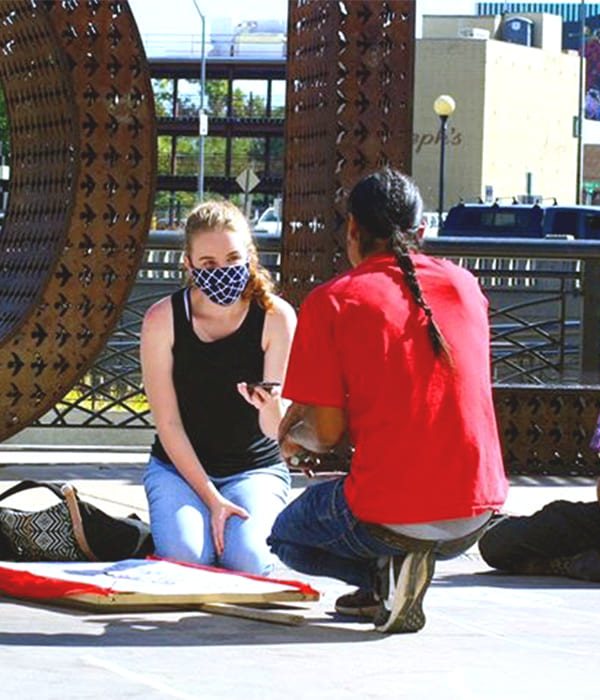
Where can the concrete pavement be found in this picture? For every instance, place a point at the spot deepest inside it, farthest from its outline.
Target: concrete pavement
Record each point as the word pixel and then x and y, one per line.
pixel 487 636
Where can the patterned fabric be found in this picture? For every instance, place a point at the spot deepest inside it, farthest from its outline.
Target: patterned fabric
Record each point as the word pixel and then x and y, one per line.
pixel 595 441
pixel 45 535
pixel 223 285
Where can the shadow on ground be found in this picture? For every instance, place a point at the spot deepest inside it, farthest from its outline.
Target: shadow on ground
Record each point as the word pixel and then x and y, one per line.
pixel 192 629
pixel 496 580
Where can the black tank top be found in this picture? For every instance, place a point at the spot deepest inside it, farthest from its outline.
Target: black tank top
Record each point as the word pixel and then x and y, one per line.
pixel 221 425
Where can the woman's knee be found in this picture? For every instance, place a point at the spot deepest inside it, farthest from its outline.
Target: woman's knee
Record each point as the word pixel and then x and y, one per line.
pixel 178 546
pixel 255 559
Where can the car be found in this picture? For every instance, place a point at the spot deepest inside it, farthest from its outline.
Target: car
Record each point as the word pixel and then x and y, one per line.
pixel 523 221
pixel 269 223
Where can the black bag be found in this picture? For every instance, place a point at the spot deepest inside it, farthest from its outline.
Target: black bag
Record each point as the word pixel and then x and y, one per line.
pixel 71 530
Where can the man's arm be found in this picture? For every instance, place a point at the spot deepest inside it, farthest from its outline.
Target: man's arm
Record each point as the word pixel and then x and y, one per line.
pixel 312 428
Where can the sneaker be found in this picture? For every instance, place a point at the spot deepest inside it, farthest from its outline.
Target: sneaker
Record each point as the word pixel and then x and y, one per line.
pixel 402 585
pixel 585 566
pixel 361 603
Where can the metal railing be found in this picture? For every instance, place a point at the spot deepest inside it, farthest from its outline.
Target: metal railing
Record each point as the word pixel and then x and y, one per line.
pixel 544 305
pixel 544 310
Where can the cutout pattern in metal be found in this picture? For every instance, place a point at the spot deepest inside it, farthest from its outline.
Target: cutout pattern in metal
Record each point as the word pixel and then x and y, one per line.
pixel 83 158
pixel 348 112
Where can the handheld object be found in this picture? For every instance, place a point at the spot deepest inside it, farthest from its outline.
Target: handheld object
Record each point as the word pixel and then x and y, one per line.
pixel 267 386
pixel 304 460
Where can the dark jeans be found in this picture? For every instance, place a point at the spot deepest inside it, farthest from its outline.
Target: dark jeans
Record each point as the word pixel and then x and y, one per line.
pixel 526 544
pixel 318 534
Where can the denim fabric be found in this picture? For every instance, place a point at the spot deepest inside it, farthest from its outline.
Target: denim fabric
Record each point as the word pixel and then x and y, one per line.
pixel 318 534
pixel 180 520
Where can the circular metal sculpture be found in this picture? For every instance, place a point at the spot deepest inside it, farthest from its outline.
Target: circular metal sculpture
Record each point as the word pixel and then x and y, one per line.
pixel 83 158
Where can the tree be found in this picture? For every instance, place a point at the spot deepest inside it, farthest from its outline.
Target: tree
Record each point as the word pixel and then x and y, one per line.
pixel 163 96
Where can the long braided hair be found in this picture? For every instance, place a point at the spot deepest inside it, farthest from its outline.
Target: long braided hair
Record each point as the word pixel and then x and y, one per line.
pixel 387 205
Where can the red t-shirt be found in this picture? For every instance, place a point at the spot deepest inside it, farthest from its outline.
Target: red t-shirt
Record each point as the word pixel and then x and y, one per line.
pixel 425 434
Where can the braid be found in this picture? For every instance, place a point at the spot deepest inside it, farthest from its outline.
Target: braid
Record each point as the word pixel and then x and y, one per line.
pixel 387 206
pixel 402 252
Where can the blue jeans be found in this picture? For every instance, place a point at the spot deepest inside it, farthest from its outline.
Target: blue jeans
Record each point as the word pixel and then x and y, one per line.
pixel 180 520
pixel 318 534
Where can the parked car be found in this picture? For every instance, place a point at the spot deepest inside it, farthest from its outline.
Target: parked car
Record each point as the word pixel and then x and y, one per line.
pixel 522 221
pixel 269 223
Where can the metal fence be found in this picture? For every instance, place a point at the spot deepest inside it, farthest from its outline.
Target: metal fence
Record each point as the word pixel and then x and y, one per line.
pixel 544 305
pixel 544 311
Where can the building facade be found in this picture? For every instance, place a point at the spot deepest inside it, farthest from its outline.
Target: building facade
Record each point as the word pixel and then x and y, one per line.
pixel 512 131
pixel 245 101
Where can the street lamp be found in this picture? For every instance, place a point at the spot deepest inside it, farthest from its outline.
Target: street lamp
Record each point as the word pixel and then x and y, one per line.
pixel 444 106
pixel 202 121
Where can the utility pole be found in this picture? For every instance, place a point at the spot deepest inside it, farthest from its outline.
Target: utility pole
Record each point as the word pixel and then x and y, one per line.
pixel 202 120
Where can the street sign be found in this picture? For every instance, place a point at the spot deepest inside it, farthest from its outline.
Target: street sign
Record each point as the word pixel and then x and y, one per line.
pixel 203 124
pixel 247 180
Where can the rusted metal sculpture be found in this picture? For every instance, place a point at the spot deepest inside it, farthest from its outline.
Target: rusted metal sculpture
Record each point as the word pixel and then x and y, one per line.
pixel 348 112
pixel 547 429
pixel 83 148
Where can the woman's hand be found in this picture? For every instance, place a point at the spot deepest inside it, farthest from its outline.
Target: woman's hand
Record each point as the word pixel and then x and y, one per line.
pixel 259 397
pixel 220 510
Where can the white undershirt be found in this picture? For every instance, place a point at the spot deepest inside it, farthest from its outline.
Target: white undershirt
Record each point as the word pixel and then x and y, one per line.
pixel 443 529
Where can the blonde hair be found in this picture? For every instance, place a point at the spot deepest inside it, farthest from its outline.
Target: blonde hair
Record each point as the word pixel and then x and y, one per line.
pixel 214 215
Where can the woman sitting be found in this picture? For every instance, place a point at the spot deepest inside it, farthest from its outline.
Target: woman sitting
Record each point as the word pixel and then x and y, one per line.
pixel 215 480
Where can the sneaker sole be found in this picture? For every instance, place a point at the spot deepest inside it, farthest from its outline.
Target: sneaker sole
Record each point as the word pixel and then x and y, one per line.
pixel 406 613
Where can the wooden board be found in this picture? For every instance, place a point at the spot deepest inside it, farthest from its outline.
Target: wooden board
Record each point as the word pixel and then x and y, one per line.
pixel 142 584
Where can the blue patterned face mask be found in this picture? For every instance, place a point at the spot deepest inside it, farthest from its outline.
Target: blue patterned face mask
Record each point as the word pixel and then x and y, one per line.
pixel 223 285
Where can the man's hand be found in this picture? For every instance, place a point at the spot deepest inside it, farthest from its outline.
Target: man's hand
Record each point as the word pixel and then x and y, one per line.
pixel 316 428
pixel 289 450
pixel 295 414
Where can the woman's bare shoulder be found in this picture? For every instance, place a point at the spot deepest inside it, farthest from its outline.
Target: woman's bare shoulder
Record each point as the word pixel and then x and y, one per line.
pixel 282 309
pixel 159 314
pixel 281 320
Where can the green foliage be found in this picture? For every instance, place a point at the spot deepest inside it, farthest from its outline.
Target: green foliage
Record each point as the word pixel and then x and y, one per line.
pixel 163 96
pixel 245 152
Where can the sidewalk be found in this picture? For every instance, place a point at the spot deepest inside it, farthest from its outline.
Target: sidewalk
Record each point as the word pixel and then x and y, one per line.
pixel 487 636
